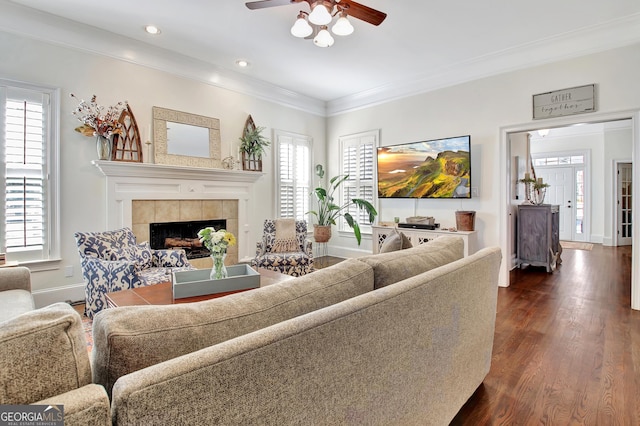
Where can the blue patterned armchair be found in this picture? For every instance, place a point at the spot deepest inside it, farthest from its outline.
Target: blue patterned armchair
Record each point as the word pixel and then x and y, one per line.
pixel 295 263
pixel 112 261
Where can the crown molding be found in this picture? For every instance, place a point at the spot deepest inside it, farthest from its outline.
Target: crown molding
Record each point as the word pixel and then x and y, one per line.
pixel 42 26
pixel 589 40
pixel 31 23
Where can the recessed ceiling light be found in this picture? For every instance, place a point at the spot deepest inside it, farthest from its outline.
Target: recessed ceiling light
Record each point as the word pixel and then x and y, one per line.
pixel 152 29
pixel 242 63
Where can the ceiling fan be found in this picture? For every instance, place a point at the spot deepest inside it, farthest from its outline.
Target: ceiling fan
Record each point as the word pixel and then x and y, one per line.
pixel 314 23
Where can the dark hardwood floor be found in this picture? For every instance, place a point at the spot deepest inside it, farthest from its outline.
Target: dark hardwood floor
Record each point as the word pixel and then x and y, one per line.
pixel 566 348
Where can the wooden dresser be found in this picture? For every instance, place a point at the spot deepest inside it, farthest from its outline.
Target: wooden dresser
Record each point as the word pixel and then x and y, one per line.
pixel 538 235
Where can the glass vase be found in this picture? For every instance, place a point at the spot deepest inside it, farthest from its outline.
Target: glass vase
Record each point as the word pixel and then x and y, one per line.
pixel 103 146
pixel 218 270
pixel 537 195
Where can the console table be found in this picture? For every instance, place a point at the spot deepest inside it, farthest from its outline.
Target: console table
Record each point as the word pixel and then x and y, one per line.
pixel 421 236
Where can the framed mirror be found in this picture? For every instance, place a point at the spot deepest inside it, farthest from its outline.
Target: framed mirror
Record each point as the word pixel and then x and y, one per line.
pixel 183 139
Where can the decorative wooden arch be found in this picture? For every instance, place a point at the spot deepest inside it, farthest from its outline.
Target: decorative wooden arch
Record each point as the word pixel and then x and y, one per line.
pixel 250 162
pixel 128 145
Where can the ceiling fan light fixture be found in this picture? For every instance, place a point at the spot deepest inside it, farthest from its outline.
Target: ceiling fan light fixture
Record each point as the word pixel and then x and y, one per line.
pixel 342 27
pixel 320 13
pixel 323 39
pixel 301 27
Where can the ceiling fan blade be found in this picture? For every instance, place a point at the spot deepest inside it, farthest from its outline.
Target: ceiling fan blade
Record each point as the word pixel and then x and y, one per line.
pixel 360 11
pixel 268 3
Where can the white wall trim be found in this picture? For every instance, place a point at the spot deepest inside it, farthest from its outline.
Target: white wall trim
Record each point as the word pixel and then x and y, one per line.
pixel 71 293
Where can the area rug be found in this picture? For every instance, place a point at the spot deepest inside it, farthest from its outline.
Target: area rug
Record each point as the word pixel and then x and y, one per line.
pixel 576 245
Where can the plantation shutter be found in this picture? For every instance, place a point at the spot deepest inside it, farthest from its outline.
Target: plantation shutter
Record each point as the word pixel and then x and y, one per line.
pixel 25 124
pixel 358 163
pixel 29 217
pixel 293 175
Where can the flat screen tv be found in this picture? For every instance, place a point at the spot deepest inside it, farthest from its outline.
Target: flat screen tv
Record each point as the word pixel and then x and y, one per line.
pixel 439 168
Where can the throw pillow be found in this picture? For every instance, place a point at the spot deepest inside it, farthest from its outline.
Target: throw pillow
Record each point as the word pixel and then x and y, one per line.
pixel 170 258
pixel 138 253
pixel 394 242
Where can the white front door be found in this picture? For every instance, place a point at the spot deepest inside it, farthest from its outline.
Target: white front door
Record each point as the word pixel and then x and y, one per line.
pixel 562 192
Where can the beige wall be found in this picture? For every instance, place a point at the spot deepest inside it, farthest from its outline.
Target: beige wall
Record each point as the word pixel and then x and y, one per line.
pixel 482 108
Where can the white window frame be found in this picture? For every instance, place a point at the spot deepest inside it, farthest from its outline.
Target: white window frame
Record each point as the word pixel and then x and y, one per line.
pixel 358 140
pixel 51 248
pixel 301 186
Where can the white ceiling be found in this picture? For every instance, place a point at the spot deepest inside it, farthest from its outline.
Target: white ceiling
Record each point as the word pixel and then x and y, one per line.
pixel 421 45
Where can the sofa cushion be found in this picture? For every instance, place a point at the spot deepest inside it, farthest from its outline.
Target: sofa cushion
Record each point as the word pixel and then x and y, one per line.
pixel 389 268
pixel 42 353
pixel 130 338
pixel 394 242
pixel 14 303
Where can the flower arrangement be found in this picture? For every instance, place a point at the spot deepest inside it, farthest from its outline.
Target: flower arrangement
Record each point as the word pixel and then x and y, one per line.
pixel 216 241
pixel 96 119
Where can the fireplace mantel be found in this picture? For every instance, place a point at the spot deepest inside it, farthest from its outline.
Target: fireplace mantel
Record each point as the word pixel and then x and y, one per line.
pixel 126 182
pixel 147 170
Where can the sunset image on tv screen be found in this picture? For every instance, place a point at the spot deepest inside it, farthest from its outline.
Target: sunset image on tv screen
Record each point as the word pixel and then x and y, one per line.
pixel 430 169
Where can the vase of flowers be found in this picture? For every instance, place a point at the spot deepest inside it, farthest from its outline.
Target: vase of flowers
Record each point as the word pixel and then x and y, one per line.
pixel 217 242
pixel 100 122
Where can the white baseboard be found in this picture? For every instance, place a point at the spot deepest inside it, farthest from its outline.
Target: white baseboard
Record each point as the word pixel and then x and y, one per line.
pixel 72 292
pixel 346 252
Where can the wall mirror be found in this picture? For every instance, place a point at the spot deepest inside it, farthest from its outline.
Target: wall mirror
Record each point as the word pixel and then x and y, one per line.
pixel 184 139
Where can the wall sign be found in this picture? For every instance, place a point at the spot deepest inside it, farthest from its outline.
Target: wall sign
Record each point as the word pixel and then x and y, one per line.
pixel 575 100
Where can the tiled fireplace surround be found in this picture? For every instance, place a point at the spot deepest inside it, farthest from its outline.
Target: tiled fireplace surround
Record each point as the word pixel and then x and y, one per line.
pixel 140 193
pixel 144 212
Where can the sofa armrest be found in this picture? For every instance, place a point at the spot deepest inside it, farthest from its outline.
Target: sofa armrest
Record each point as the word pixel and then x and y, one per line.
pixel 43 353
pixel 260 249
pixel 18 278
pixel 88 405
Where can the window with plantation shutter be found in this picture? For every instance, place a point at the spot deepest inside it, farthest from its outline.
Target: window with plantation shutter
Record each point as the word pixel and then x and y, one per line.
pixel 358 162
pixel 28 153
pixel 293 174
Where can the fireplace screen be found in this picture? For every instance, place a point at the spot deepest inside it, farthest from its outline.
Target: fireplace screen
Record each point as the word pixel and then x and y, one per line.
pixel 182 235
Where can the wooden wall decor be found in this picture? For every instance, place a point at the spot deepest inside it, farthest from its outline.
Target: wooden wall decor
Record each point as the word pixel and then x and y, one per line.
pixel 250 161
pixel 128 145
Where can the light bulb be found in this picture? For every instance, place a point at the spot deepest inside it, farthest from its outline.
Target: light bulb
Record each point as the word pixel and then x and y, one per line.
pixel 320 14
pixel 323 39
pixel 301 28
pixel 342 26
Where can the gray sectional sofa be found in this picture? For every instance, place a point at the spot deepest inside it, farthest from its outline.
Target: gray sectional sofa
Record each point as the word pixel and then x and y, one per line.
pixel 43 355
pixel 397 338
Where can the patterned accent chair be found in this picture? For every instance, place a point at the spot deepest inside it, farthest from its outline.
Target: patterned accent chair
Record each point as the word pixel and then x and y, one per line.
pixel 112 261
pixel 291 263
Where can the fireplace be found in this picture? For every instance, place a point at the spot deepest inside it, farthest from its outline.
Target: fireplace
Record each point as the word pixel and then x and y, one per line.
pixel 182 235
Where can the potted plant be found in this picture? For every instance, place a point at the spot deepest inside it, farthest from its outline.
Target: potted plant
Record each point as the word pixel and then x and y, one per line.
pixel 328 211
pixel 252 147
pixel 535 189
